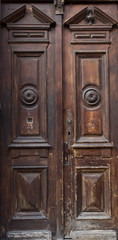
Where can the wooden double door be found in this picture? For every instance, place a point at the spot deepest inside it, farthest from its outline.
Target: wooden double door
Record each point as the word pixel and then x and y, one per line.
pixel 59 119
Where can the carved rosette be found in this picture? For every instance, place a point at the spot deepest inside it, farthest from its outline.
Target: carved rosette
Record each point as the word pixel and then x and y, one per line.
pixel 59 6
pixel 29 96
pixel 91 96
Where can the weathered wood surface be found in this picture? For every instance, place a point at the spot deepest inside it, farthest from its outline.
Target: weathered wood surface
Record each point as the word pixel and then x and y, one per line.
pixel 89 73
pixel 28 162
pixel 59 85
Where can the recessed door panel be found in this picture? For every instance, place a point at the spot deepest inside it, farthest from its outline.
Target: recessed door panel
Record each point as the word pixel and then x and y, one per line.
pixel 91 97
pixel 29 116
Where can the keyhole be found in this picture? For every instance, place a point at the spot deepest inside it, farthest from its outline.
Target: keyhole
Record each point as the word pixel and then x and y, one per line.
pixel 29 120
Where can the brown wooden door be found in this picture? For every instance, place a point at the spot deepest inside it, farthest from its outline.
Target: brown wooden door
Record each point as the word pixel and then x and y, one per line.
pixel 59 171
pixel 89 83
pixel 28 186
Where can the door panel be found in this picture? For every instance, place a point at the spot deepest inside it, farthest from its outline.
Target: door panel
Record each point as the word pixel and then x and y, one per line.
pixel 28 118
pixel 29 87
pixel 89 164
pixel 90 80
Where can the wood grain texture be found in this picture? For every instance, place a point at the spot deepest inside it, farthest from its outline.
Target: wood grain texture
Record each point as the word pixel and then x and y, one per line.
pixel 59 85
pixel 91 80
pixel 93 191
pixel 29 96
pixel 89 173
pixel 30 188
pixel 30 193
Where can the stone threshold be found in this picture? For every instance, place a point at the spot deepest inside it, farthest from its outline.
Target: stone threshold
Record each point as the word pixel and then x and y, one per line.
pixel 75 235
pixel 94 235
pixel 29 235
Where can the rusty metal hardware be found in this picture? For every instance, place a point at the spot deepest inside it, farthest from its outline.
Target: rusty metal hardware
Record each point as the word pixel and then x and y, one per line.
pixel 67 153
pixel 67 145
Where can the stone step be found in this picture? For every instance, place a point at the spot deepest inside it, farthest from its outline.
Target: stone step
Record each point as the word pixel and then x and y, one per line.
pixel 29 235
pixel 94 235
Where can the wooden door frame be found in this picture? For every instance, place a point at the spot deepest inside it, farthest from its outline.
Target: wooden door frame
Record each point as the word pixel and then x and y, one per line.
pixel 0 116
pixel 59 127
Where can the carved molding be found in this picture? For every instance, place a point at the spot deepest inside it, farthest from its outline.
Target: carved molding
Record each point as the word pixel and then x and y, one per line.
pixel 19 13
pixel 90 18
pixel 90 15
pixel 92 100
pixel 59 3
pixel 94 204
pixel 29 96
pixel 42 16
pixel 15 16
pixel 90 37
pixel 28 32
pixel 76 18
pixel 90 25
pixel 29 102
pixel 91 96
pixel 59 6
pixel 35 180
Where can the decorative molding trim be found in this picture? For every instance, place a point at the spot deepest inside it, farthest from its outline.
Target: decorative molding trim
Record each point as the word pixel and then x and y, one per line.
pixel 102 16
pixel 29 142
pixel 28 34
pixel 84 14
pixel 90 25
pixel 43 26
pixel 86 206
pixel 90 18
pixel 24 206
pixel 59 6
pixel 92 145
pixel 78 17
pixel 15 16
pixel 19 13
pixel 42 16
pixel 29 96
pixel 91 96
